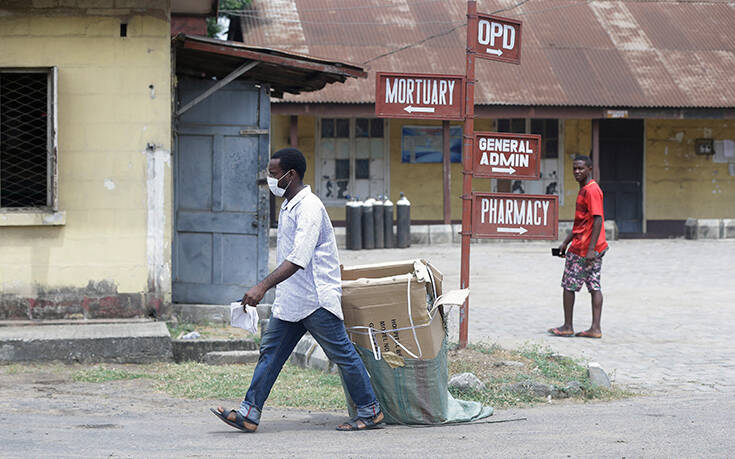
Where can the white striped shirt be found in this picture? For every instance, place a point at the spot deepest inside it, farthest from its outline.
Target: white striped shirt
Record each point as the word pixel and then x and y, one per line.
pixel 306 238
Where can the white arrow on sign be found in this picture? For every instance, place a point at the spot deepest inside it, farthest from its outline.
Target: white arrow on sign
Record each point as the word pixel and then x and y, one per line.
pixel 497 52
pixel 509 170
pixel 411 109
pixel 519 230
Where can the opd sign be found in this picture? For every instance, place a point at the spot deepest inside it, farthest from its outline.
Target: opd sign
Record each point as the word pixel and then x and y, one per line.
pixel 417 95
pixel 515 216
pixel 509 156
pixel 496 38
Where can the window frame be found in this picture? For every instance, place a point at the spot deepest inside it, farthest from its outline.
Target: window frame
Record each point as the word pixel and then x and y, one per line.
pixel 52 172
pixel 560 152
pixel 352 139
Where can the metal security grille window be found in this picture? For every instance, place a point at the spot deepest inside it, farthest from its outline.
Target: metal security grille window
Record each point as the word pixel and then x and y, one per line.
pixel 551 163
pixel 351 158
pixel 27 138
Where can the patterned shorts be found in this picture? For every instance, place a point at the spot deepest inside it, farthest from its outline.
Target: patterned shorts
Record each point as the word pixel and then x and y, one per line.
pixel 578 271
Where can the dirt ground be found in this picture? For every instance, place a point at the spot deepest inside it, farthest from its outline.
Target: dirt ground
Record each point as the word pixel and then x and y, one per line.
pixel 44 414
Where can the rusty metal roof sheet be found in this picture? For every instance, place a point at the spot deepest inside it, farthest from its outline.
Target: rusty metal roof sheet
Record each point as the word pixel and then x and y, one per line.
pixel 285 72
pixel 614 53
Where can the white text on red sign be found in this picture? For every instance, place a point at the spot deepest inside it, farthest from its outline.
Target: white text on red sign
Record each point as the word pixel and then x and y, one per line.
pixel 506 155
pixel 496 38
pixel 496 35
pixel 494 153
pixel 422 91
pixel 514 214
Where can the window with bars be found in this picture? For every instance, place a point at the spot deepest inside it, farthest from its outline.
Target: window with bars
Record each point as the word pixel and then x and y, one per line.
pixel 551 143
pixel 27 138
pixel 350 158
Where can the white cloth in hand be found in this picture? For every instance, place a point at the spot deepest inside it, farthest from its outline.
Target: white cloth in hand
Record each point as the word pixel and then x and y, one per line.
pixel 244 317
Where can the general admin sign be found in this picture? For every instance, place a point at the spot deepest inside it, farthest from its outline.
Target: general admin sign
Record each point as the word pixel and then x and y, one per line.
pixel 419 96
pixel 506 156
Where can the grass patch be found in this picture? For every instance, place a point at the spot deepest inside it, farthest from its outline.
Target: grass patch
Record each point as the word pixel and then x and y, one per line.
pixel 501 369
pixel 310 389
pixel 294 388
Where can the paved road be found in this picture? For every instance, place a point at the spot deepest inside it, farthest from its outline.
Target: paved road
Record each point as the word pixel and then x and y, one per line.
pixel 42 416
pixel 667 314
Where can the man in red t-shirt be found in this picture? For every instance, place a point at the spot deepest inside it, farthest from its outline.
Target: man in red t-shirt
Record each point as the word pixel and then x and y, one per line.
pixel 584 258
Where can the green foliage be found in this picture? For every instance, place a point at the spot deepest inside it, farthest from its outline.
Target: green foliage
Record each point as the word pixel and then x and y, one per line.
pixel 295 387
pixel 311 389
pixel 213 28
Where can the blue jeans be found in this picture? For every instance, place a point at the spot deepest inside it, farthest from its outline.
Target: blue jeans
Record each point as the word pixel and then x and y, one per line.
pixel 279 341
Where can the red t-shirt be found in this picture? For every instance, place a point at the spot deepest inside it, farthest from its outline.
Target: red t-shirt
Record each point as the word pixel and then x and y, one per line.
pixel 589 204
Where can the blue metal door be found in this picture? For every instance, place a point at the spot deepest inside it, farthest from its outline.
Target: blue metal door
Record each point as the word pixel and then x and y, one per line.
pixel 220 201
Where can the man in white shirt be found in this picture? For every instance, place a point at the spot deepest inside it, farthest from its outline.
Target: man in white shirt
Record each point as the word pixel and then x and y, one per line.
pixel 308 298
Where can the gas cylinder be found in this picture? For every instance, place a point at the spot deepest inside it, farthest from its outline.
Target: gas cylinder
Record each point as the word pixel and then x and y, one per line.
pixel 403 211
pixel 388 223
pixel 368 224
pixel 378 217
pixel 353 220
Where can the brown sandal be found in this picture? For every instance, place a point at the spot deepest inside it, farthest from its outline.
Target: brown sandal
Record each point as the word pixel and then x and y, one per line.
pixel 362 424
pixel 240 422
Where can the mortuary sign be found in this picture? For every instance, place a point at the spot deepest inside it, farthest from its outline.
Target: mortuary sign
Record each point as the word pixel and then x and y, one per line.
pixel 496 38
pixel 415 95
pixel 515 216
pixel 506 156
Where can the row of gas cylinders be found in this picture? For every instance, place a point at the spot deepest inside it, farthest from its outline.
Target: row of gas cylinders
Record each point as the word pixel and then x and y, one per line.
pixel 369 223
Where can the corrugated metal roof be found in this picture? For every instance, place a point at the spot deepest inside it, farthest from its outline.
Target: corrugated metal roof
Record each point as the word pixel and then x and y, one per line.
pixel 285 72
pixel 624 53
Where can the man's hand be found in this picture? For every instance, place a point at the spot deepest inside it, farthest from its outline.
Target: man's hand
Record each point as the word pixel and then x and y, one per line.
pixel 591 255
pixel 253 296
pixel 562 249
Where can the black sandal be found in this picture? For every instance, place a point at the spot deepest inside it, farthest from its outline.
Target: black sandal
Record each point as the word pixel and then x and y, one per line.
pixel 367 424
pixel 240 422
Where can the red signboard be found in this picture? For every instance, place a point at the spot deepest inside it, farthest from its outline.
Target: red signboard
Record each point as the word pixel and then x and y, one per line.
pixel 515 216
pixel 415 95
pixel 508 156
pixel 496 38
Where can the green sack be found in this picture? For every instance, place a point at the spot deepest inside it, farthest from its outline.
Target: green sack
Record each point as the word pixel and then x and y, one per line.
pixel 416 393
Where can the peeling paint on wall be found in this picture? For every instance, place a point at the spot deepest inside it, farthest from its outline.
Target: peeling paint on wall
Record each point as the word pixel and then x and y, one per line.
pixel 159 273
pixel 109 184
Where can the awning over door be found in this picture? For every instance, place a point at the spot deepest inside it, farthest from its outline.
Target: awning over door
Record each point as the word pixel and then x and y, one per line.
pixel 284 72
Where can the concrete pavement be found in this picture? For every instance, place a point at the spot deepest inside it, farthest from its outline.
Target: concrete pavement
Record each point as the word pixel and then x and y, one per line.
pixel 667 306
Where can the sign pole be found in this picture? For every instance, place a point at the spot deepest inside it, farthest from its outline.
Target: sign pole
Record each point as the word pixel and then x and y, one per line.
pixel 468 147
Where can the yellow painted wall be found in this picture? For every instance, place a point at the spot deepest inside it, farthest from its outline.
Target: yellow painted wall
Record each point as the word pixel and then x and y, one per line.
pixel 681 184
pixel 422 183
pixel 106 117
pixel 577 141
pixel 678 183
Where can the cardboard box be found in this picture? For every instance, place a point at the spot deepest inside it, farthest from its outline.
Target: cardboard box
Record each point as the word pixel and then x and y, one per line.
pixel 376 297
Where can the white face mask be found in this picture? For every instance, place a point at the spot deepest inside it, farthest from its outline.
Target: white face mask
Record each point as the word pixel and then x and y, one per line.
pixel 273 185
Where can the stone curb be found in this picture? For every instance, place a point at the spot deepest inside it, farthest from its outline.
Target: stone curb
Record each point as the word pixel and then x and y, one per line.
pixel 709 228
pixel 90 343
pixel 196 349
pixel 308 354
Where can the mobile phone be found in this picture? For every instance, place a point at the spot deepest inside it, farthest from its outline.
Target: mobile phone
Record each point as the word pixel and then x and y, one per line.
pixel 556 252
